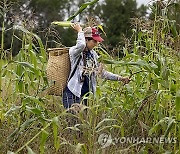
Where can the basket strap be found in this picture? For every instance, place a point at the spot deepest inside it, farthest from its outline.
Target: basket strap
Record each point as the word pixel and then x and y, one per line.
pixel 71 75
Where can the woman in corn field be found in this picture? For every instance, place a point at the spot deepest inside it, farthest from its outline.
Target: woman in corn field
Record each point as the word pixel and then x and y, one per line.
pixel 85 67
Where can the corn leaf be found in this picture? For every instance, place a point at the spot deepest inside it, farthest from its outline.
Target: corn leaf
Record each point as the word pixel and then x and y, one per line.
pixel 156 126
pixel 178 101
pixel 169 127
pixel 101 28
pixel 81 148
pixel 30 151
pixel 12 109
pixel 44 136
pixel 104 121
pixel 82 8
pixel 10 152
pixel 55 125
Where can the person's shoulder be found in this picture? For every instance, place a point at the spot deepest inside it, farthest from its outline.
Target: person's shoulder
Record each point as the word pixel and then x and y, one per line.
pixel 71 49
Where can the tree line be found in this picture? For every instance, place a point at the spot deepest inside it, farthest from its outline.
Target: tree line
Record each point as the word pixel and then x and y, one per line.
pixel 37 15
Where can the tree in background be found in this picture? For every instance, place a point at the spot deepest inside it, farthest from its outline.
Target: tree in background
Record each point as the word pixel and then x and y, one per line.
pixel 47 11
pixel 116 16
pixel 34 15
pixel 37 16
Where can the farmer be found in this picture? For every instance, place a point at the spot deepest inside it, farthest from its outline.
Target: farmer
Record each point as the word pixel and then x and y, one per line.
pixel 85 67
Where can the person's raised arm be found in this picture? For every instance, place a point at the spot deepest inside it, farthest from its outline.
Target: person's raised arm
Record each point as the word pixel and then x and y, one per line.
pixel 80 43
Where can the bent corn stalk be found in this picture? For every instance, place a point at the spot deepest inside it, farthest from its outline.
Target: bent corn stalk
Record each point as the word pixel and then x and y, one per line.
pixel 82 8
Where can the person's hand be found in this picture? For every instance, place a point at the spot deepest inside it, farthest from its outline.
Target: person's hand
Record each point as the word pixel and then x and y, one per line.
pixel 76 26
pixel 125 80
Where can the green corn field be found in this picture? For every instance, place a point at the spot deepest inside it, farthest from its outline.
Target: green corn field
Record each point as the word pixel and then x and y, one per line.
pixel 140 117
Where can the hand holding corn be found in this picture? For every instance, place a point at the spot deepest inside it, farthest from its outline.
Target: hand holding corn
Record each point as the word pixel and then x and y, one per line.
pixel 77 27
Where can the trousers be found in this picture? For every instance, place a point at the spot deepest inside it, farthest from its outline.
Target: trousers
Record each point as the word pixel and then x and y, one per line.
pixel 68 98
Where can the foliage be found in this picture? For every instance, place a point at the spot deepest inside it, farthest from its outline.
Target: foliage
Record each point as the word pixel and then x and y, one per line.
pixel 149 106
pixel 170 9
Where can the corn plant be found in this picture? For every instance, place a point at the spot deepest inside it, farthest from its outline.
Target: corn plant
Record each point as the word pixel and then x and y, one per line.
pixel 149 106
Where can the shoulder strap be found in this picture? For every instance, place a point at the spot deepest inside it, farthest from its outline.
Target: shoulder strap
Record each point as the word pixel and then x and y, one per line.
pixel 71 75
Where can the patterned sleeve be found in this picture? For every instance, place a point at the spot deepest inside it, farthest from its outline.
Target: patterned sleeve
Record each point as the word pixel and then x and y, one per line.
pixel 105 74
pixel 109 75
pixel 79 47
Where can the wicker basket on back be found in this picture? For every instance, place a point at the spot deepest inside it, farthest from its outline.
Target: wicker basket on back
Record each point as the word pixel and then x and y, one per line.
pixel 58 69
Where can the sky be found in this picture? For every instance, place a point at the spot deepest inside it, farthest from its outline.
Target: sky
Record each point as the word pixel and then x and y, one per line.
pixel 139 2
pixel 145 2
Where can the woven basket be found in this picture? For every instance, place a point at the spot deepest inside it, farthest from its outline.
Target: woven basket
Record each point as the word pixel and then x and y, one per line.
pixel 58 69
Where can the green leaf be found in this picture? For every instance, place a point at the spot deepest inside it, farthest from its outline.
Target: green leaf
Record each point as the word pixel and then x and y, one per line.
pixel 81 148
pixel 165 72
pixel 33 58
pixel 170 124
pixel 122 131
pixel 20 86
pixel 143 125
pixel 12 109
pixel 153 65
pixel 13 134
pixel 83 7
pixel 55 124
pixel 140 63
pixel 178 101
pixel 98 91
pixel 26 124
pixel 26 64
pixel 155 128
pixel 104 128
pixel 55 134
pixel 44 136
pixel 30 151
pixel 4 73
pixel 34 110
pixel 10 152
pixel 164 120
pixel 104 121
pixel 173 28
pixel 101 28
pixel 75 128
pixel 36 100
pixel 55 120
pixel 107 61
pixel 42 49
pixel 18 27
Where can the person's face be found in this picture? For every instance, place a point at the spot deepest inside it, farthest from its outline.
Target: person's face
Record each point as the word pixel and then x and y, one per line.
pixel 91 44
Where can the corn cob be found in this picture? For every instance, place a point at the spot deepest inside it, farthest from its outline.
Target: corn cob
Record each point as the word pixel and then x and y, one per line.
pixel 62 23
